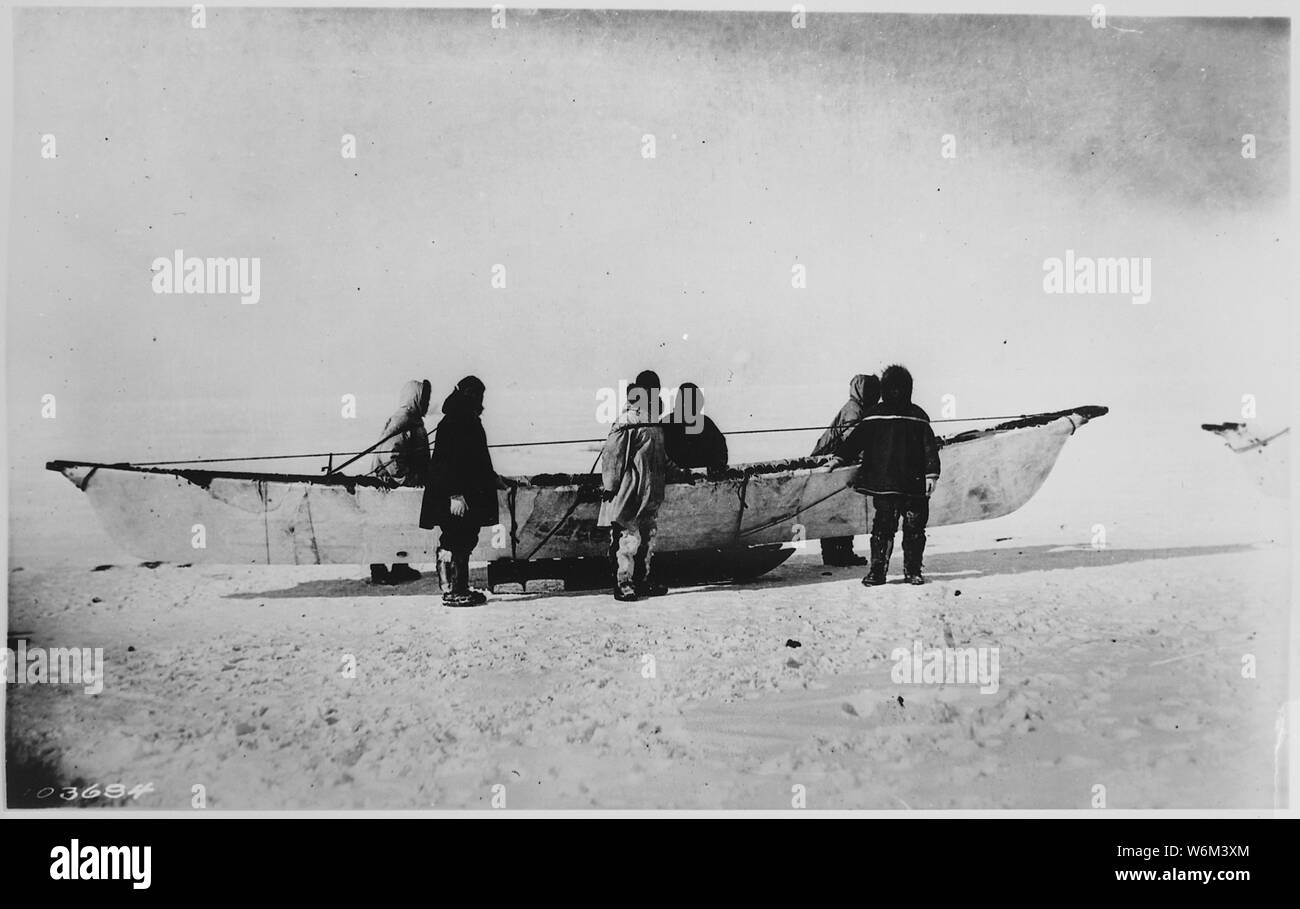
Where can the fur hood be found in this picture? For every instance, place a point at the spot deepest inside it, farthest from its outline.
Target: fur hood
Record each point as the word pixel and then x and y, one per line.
pixel 896 386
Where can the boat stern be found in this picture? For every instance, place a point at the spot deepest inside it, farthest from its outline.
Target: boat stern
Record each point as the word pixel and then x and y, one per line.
pixel 1241 437
pixel 78 474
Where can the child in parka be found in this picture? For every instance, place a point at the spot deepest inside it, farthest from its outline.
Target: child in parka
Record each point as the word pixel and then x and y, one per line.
pixel 633 469
pixel 900 468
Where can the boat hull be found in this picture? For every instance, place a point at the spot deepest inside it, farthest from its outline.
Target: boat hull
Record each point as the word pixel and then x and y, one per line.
pixel 236 518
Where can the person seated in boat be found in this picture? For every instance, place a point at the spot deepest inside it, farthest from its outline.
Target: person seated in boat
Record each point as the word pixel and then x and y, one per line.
pixel 460 496
pixel 864 393
pixel 899 469
pixel 691 439
pixel 403 460
pixel 633 468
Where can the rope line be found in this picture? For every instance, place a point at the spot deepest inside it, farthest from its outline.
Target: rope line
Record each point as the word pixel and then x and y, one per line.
pixel 372 449
pixel 793 514
pixel 577 500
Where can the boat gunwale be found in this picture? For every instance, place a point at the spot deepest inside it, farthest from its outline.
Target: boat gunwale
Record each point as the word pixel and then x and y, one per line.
pixel 736 472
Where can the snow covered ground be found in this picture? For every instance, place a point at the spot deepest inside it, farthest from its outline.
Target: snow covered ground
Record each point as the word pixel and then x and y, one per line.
pixel 1119 666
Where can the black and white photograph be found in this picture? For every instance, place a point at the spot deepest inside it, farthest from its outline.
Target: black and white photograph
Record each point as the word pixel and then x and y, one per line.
pixel 690 411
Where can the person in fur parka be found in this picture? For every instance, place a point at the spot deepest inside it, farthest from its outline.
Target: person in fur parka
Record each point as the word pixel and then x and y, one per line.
pixel 864 393
pixel 899 469
pixel 691 438
pixel 403 460
pixel 460 496
pixel 633 471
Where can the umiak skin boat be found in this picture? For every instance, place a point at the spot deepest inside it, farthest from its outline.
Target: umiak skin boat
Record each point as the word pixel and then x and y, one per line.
pixel 1265 455
pixel 739 525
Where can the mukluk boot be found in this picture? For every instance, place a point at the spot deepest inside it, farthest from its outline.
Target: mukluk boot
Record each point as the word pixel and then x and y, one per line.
pixel 881 549
pixel 456 590
pixel 913 549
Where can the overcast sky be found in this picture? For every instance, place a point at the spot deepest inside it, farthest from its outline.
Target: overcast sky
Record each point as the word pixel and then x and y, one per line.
pixel 523 147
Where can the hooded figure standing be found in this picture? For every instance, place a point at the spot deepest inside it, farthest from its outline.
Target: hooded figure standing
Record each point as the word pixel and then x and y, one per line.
pixel 404 461
pixel 633 466
pixel 864 393
pixel 460 496
pixel 900 468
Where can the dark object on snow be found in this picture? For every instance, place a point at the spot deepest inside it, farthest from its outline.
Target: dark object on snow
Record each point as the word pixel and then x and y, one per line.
pixel 837 552
pixel 402 573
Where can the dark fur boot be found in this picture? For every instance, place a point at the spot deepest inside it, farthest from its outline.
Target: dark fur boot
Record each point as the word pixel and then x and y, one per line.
pixel 913 550
pixel 456 590
pixel 881 549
